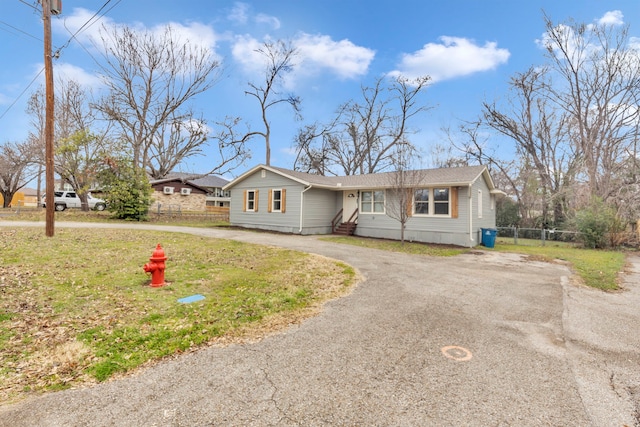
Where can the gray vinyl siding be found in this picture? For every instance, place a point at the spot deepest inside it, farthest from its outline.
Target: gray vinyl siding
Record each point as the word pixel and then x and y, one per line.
pixel 319 208
pixel 287 222
pixel 488 219
pixel 433 229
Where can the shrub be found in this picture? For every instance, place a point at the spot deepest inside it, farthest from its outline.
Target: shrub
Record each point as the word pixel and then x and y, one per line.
pixel 507 212
pixel 128 192
pixel 597 223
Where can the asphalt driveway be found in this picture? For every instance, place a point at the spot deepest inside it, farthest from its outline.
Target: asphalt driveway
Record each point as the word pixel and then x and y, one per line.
pixel 479 339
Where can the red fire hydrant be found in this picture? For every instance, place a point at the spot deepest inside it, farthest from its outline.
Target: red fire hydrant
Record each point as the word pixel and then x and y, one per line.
pixel 156 267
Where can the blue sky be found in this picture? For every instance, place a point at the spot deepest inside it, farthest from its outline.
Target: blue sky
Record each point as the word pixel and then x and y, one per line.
pixel 470 48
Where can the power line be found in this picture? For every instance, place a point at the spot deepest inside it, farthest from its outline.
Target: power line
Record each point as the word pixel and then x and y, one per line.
pixel 30 5
pixel 21 93
pixel 87 24
pixel 55 54
pixel 19 30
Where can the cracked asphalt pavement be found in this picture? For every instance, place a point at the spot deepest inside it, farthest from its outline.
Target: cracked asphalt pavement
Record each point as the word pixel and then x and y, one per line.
pixel 480 339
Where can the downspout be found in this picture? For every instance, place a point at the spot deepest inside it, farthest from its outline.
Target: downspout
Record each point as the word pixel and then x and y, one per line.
pixel 471 239
pixel 302 206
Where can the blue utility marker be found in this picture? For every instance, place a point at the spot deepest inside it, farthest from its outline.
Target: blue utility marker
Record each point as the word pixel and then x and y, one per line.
pixel 190 299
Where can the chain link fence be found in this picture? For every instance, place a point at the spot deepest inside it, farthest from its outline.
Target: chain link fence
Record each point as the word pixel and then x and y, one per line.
pixel 539 235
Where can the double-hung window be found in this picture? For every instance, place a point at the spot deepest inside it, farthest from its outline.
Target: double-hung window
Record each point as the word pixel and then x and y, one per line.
pixel 421 201
pixel 441 201
pixel 277 200
pixel 372 201
pixel 432 201
pixel 276 204
pixel 251 201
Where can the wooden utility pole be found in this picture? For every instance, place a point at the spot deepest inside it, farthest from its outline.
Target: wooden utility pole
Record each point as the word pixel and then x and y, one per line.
pixel 48 124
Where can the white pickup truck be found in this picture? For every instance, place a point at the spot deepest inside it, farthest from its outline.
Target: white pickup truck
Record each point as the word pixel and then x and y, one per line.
pixel 69 199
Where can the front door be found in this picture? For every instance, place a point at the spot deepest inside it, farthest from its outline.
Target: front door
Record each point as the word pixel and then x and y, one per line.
pixel 349 204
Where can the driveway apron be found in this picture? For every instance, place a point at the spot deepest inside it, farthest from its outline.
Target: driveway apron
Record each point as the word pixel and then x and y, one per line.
pixel 478 339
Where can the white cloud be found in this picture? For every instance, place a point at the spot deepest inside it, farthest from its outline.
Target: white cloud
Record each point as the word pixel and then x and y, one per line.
pixel 244 51
pixel 74 21
pixel 239 13
pixel 579 45
pixel 274 22
pixel 196 33
pixel 454 57
pixel 342 58
pixel 68 72
pixel 315 54
pixel 613 17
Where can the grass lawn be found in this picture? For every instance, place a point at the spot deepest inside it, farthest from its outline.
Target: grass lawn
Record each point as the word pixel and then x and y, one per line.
pixel 77 308
pixel 596 268
pixel 189 219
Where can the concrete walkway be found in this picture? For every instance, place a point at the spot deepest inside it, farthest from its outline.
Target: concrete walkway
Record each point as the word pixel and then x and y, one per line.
pixel 479 339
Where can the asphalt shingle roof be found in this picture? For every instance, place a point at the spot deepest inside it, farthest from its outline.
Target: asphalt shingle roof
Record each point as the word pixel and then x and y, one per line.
pixel 443 176
pixel 207 181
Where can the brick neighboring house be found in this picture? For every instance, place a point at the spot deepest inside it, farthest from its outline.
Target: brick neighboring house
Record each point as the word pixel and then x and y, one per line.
pixel 180 192
pixel 24 197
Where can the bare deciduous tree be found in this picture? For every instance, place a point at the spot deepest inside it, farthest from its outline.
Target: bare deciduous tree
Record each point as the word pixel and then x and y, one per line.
pixel 181 137
pixel 79 144
pixel 151 79
pixel 597 84
pixel 542 134
pixel 403 181
pixel 444 155
pixel 279 58
pixel 18 166
pixel 79 159
pixel 363 136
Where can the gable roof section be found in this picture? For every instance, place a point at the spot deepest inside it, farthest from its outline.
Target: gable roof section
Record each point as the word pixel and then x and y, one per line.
pixel 457 176
pixel 177 180
pixel 212 181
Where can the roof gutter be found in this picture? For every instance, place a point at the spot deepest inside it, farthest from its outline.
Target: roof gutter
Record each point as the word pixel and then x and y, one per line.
pixel 471 239
pixel 302 206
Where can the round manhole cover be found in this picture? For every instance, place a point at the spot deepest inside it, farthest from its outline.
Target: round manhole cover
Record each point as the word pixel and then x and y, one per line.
pixel 459 354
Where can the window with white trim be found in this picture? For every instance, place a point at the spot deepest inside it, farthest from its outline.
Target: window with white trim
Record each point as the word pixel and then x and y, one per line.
pixel 372 201
pixel 441 201
pixel 421 201
pixel 479 203
pixel 251 200
pixel 432 201
pixel 276 201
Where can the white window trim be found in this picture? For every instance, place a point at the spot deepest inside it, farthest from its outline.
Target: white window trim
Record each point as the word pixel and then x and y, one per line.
pixel 373 212
pixel 273 200
pixel 432 204
pixel 253 208
pixel 429 203
pixel 479 203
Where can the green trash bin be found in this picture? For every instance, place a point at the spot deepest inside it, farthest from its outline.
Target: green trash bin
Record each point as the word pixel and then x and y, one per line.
pixel 489 237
